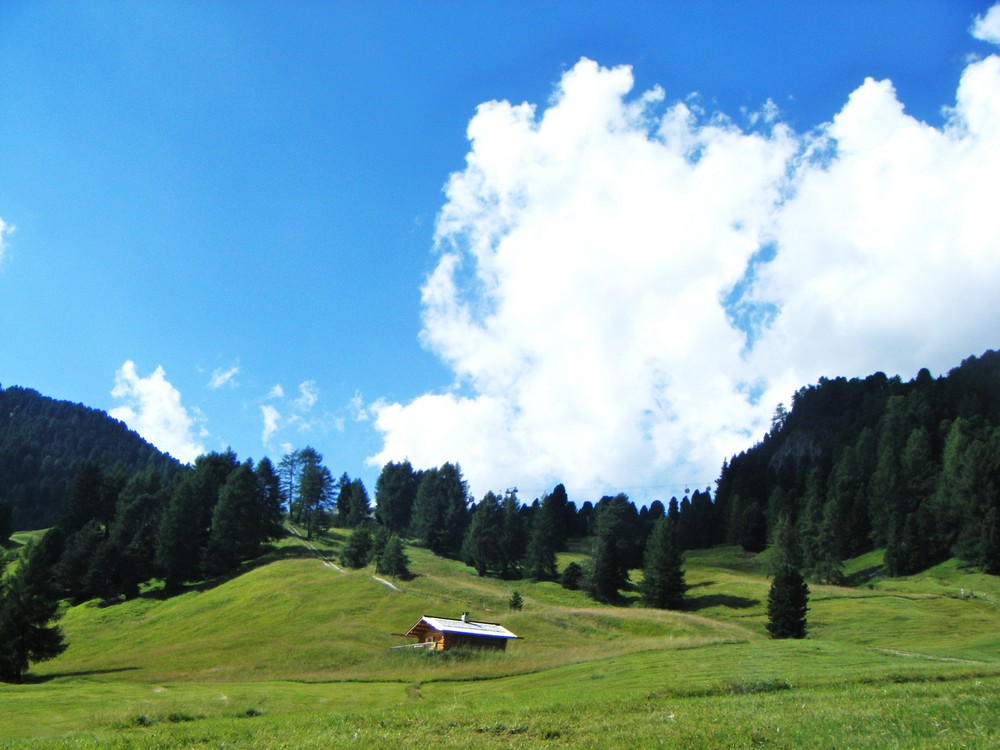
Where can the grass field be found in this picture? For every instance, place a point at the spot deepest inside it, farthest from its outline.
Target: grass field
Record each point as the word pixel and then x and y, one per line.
pixel 295 653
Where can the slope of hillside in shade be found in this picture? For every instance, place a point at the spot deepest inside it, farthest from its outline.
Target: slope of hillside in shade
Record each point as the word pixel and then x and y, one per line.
pixel 293 652
pixel 42 443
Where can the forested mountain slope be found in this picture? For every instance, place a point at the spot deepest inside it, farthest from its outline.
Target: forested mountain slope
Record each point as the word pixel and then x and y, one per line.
pixel 42 444
pixel 861 464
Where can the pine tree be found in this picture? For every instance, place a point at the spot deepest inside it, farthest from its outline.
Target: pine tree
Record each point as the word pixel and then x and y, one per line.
pixel 512 541
pixel 440 513
pixel 395 492
pixel 394 561
pixel 663 583
pixel 315 491
pixel 270 521
pixel 131 542
pixel 784 549
pixel 787 602
pixel 29 605
pixel 380 537
pixel 357 551
pixel 359 508
pixel 234 535
pixel 752 527
pixel 613 550
pixel 515 602
pixel 540 556
pixel 481 545
pixel 571 576
pixel 178 540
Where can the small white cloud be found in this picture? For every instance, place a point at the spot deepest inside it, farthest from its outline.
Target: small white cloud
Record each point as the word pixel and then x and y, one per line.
pixel 153 408
pixel 5 229
pixel 308 395
pixel 272 419
pixel 987 28
pixel 358 409
pixel 222 377
pixel 276 392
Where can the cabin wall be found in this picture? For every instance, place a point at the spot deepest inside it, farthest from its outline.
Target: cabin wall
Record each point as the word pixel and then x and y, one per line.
pixel 451 640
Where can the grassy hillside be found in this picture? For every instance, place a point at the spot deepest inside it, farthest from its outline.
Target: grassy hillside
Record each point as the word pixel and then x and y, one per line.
pixel 294 653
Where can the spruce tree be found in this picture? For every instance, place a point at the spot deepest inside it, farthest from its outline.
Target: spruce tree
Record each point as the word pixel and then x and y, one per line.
pixel 380 537
pixel 357 551
pixel 571 576
pixel 360 506
pixel 440 513
pixel 540 557
pixel 234 535
pixel 787 602
pixel 784 550
pixel 613 548
pixel 663 583
pixel 481 546
pixel 395 492
pixel 178 540
pixel 29 606
pixel 271 516
pixel 394 561
pixel 512 541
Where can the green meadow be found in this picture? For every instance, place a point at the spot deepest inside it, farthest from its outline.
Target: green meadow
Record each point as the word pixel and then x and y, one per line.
pixel 294 653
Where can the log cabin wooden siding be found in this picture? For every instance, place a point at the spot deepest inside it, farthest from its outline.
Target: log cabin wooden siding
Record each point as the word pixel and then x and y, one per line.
pixel 441 632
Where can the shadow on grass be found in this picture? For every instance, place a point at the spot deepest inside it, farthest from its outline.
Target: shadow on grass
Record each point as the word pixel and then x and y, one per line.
pixel 31 679
pixel 863 576
pixel 720 600
pixel 699 585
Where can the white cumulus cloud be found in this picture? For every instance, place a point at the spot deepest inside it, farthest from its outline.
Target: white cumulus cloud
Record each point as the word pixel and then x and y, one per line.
pixel 152 407
pixel 987 28
pixel 626 288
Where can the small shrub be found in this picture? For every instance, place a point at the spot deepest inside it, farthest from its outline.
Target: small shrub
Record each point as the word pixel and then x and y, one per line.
pixel 759 686
pixel 571 577
pixel 178 717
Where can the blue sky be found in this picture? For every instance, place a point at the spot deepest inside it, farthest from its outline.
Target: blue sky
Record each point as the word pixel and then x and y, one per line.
pixel 255 224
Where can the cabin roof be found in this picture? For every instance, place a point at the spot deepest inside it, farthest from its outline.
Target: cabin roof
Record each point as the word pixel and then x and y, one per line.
pixel 463 627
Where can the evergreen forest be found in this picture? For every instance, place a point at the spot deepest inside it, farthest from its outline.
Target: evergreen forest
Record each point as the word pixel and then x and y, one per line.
pixel 42 444
pixel 852 466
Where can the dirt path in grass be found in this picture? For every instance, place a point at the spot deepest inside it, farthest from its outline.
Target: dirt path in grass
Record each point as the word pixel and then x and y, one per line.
pixel 914 655
pixel 327 562
pixel 390 584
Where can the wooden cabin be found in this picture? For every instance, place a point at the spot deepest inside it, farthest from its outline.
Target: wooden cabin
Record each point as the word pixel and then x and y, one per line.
pixel 441 633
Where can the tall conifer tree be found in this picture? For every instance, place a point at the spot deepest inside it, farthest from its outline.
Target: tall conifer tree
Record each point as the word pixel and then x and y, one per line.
pixel 663 583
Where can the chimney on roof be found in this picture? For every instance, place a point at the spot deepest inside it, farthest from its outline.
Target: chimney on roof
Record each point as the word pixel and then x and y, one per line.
pixel 465 617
